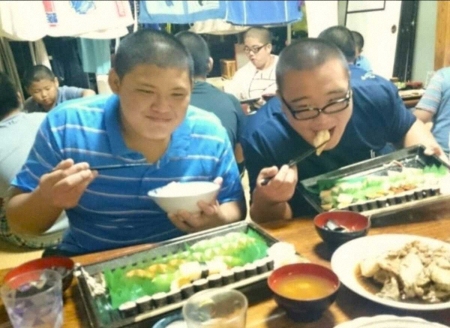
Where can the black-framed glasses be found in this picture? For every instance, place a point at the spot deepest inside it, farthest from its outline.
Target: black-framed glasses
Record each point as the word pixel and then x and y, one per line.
pixel 254 49
pixel 308 113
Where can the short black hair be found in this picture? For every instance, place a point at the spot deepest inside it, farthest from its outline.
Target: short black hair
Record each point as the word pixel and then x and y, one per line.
pixel 359 39
pixel 37 73
pixel 9 100
pixel 342 37
pixel 261 33
pixel 198 48
pixel 151 47
pixel 306 54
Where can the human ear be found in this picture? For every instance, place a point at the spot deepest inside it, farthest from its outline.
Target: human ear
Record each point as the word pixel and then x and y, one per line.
pixel 210 64
pixel 19 98
pixel 114 81
pixel 56 82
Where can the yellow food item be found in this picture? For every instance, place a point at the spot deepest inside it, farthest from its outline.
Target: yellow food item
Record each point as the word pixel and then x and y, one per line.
pixel 320 138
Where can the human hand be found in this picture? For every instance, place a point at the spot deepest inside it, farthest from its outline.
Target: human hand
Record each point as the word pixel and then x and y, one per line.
pixel 209 216
pixel 433 148
pixel 281 183
pixel 64 186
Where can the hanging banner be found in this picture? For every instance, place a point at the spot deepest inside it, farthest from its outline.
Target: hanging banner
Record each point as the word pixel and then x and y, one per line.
pixel 32 20
pixel 23 20
pixel 70 18
pixel 262 12
pixel 180 12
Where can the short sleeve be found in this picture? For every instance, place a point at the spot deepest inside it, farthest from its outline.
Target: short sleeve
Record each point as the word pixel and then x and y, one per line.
pixel 68 93
pixel 433 94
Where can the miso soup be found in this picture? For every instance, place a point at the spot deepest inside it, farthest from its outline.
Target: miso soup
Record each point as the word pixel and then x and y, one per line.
pixel 304 287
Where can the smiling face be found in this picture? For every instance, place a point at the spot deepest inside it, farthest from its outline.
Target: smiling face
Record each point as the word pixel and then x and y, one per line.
pixel 154 101
pixel 317 88
pixel 44 92
pixel 262 57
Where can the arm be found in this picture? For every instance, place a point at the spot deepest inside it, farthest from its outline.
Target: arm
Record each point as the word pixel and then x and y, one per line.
pixel 423 115
pixel 35 212
pixel 430 101
pixel 419 134
pixel 88 93
pixel 210 215
pixel 230 203
pixel 270 202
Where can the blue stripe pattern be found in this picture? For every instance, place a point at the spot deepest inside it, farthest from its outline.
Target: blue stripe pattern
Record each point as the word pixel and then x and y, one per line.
pixel 115 210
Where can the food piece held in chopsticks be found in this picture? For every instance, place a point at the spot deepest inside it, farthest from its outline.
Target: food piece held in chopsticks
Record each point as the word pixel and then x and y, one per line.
pixel 321 137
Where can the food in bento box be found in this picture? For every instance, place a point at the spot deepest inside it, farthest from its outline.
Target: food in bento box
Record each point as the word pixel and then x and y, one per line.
pixel 414 273
pixel 320 138
pixel 196 265
pixel 394 188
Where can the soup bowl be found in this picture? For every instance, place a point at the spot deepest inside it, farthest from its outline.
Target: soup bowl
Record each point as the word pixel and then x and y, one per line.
pixel 63 265
pixel 338 227
pixel 304 290
pixel 177 196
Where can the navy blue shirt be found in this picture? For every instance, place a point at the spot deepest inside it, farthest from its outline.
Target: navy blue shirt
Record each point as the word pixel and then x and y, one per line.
pixel 226 107
pixel 379 117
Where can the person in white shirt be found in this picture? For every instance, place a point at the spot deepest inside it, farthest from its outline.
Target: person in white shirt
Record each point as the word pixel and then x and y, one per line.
pixel 256 79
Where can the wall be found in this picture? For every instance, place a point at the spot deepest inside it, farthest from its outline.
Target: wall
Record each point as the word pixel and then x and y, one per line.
pixel 342 7
pixel 423 60
pixel 425 37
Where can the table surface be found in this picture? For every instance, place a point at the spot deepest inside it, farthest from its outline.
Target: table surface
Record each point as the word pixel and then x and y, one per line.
pixel 432 221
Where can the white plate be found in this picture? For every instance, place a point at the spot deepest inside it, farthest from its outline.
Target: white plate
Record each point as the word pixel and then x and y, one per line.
pixel 389 321
pixel 346 258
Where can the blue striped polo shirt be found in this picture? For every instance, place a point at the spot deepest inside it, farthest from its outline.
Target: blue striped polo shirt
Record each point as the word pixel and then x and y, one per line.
pixel 115 210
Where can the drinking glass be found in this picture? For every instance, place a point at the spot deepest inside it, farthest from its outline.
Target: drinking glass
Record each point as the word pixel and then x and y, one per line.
pixel 216 308
pixel 34 299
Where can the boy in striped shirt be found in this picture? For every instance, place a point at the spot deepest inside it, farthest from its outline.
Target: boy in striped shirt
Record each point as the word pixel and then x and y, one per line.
pixel 147 120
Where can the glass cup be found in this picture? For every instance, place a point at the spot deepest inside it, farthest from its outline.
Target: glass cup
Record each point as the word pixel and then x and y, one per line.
pixel 34 299
pixel 216 308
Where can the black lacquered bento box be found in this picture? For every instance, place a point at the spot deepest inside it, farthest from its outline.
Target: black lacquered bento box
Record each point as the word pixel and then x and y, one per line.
pixel 110 303
pixel 405 179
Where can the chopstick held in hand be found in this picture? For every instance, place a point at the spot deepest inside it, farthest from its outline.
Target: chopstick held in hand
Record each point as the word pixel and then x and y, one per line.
pixel 297 160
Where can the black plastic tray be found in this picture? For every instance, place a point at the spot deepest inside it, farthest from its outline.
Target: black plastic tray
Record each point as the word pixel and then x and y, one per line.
pixel 408 157
pixel 99 310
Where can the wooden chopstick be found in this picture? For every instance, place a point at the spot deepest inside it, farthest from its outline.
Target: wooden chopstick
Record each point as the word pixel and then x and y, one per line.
pixel 297 160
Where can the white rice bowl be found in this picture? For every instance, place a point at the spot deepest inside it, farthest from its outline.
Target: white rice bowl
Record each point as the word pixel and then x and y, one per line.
pixel 177 196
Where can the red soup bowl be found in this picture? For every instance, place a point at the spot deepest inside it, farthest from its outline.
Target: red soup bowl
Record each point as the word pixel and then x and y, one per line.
pixel 304 290
pixel 63 265
pixel 338 227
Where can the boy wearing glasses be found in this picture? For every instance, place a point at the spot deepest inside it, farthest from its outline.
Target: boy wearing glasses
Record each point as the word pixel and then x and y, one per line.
pixel 256 78
pixel 316 95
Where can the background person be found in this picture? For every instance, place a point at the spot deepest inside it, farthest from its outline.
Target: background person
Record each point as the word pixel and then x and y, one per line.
pixel 45 92
pixel 17 133
pixel 360 60
pixel 206 96
pixel 344 39
pixel 256 78
pixel 147 120
pixel 317 95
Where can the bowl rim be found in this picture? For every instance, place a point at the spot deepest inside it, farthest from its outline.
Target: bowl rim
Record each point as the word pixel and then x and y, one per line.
pixel 215 188
pixel 43 263
pixel 320 215
pixel 285 267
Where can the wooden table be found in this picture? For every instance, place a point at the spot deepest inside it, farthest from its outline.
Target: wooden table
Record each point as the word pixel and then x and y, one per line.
pixel 429 221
